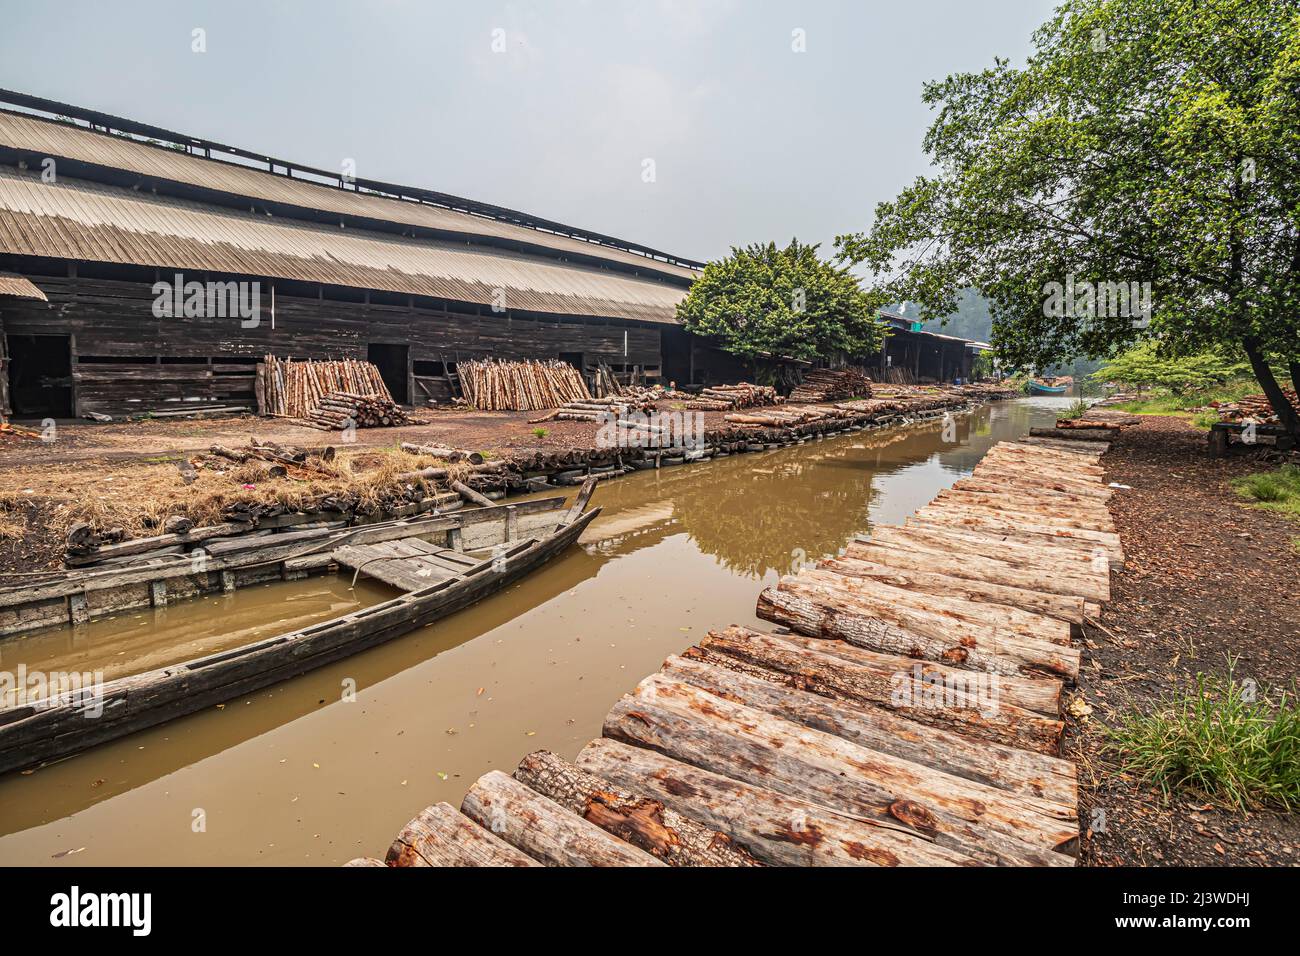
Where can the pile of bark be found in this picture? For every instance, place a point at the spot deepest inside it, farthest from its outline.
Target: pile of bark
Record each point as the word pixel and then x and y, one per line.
pixel 832 385
pixel 492 385
pixel 292 389
pixel 1255 407
pixel 337 410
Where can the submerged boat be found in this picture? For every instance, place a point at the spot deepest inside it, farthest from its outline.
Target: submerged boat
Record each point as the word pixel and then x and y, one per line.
pixel 441 563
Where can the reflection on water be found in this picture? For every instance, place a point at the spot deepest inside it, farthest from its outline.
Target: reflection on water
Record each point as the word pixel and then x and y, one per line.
pixel 298 774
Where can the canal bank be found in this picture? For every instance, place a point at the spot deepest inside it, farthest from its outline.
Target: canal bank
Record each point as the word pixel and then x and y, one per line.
pixel 675 552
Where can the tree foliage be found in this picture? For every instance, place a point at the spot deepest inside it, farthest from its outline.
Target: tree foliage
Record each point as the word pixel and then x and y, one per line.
pixel 1143 366
pixel 763 301
pixel 1144 141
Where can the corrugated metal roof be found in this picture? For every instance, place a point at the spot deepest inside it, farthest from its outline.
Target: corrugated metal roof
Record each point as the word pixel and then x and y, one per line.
pixel 63 141
pixel 78 220
pixel 19 286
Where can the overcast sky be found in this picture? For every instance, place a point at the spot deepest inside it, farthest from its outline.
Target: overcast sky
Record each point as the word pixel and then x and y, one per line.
pixel 750 140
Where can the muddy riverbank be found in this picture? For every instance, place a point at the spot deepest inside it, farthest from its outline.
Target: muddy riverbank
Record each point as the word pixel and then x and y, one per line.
pixel 298 774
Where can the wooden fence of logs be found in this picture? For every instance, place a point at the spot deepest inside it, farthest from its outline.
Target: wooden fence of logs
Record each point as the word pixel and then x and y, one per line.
pixel 492 385
pixel 908 712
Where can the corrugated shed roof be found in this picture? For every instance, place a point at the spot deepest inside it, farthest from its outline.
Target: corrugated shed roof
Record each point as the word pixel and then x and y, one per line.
pixel 63 141
pixel 20 287
pixel 79 220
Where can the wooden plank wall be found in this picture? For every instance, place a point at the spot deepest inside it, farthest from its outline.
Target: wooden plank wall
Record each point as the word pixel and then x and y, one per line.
pixel 114 320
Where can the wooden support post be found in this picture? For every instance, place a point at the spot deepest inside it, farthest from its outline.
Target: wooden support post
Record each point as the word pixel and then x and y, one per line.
pixel 1218 439
pixel 227 581
pixel 512 522
pixel 454 540
pixel 78 612
pixel 158 593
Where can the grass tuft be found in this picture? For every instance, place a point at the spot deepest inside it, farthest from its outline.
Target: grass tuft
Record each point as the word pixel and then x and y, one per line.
pixel 1221 740
pixel 1272 490
pixel 1076 409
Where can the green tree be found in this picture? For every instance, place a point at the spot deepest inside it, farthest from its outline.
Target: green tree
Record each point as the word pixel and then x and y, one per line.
pixel 1154 142
pixel 1143 366
pixel 763 302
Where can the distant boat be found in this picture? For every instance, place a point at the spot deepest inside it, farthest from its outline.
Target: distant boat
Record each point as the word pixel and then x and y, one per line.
pixel 1042 388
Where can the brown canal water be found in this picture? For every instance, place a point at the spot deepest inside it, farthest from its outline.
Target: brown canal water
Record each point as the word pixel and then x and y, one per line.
pixel 297 774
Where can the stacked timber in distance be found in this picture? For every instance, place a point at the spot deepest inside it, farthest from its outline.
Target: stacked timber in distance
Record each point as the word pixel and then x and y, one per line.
pixel 742 395
pixel 832 385
pixel 520 386
pixel 1255 408
pixel 908 710
pixel 339 410
pixel 292 389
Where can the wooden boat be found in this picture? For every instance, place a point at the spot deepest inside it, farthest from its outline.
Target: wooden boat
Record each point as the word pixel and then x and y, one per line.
pixel 1037 387
pixel 442 563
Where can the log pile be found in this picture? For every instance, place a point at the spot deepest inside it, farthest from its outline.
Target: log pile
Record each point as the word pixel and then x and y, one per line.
pixel 909 712
pixel 339 410
pixel 493 385
pixel 595 409
pixel 1257 408
pixel 292 389
pixel 741 395
pixel 832 385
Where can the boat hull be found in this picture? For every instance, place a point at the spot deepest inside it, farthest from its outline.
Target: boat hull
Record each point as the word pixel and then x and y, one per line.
pixel 1035 388
pixel 46 731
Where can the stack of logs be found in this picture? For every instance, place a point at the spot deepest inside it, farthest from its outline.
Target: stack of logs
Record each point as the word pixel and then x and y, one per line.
pixel 1255 407
pixel 784 417
pixel 832 385
pixel 338 410
pixel 595 409
pixel 292 389
pixel 741 395
pixel 520 386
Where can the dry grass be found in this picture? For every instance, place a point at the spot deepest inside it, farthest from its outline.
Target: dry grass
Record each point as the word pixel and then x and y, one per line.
pixel 12 525
pixel 139 496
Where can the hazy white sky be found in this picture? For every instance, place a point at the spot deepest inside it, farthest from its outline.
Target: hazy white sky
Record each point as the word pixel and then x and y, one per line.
pixel 751 141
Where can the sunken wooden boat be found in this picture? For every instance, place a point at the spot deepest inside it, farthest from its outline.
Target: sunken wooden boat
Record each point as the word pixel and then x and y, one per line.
pixel 442 563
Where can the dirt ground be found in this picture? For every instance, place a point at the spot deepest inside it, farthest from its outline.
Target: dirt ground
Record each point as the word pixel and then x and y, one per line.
pixel 152 438
pixel 1206 577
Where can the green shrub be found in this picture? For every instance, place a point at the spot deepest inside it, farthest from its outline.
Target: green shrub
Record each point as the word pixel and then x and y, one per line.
pixel 540 432
pixel 1219 740
pixel 1078 409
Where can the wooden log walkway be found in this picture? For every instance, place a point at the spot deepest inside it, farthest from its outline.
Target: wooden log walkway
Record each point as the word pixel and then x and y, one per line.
pixel 906 711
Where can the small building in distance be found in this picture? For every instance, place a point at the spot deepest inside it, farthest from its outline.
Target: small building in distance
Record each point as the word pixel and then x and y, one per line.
pixel 914 356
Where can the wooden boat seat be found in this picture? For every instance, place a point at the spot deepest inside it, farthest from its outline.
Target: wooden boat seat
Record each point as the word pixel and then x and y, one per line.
pixel 407 564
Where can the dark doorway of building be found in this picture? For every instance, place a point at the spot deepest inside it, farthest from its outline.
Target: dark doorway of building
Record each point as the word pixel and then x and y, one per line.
pixel 40 375
pixel 573 358
pixel 391 360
